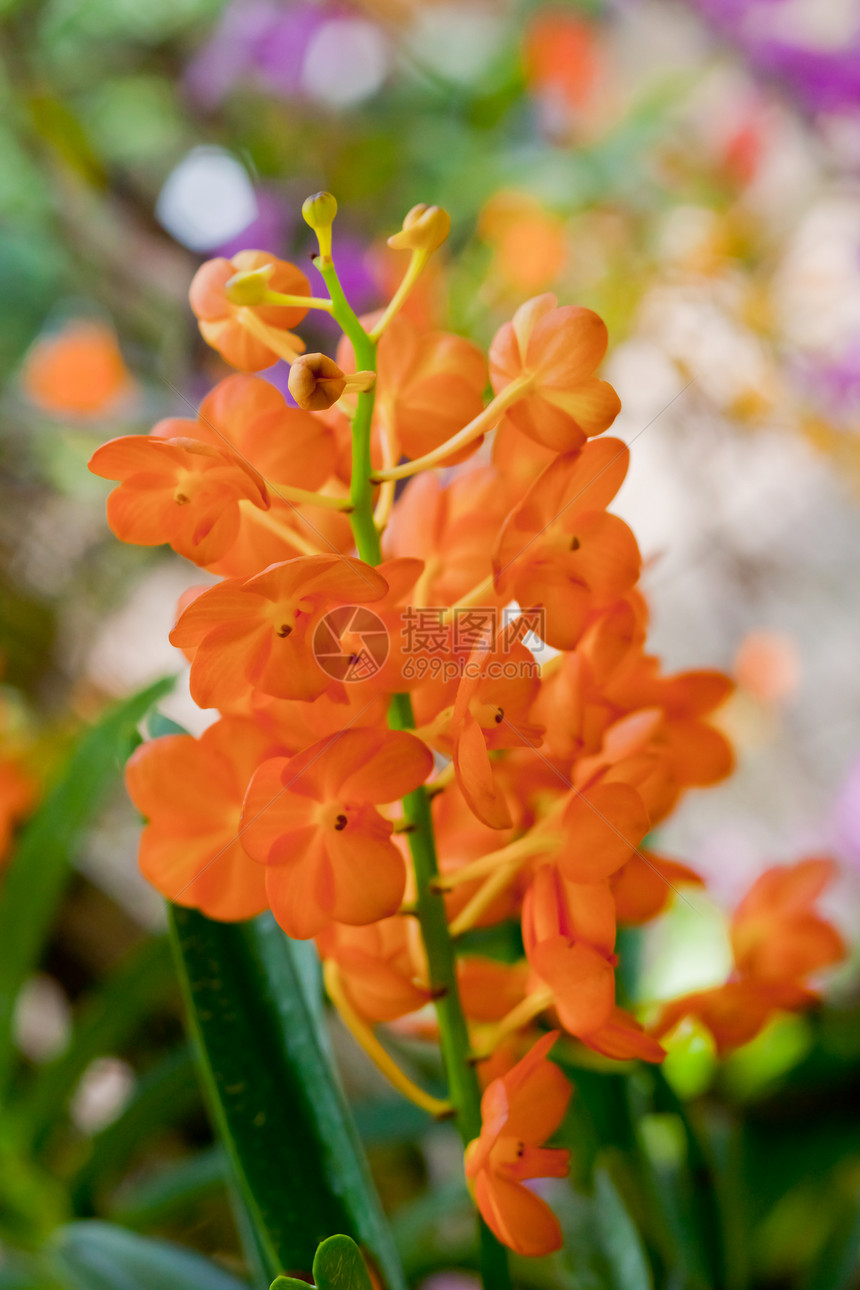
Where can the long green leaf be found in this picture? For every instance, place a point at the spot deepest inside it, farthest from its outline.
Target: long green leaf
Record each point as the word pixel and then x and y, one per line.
pixel 109 1016
pixel 34 883
pixel 273 1094
pixel 172 1190
pixel 99 1256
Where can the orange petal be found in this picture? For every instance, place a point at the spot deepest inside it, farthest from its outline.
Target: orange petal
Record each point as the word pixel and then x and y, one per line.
pixel 601 828
pixel 565 346
pixel 519 1218
pixel 582 982
pixel 301 894
pixel 475 777
pixel 400 763
pixel 369 873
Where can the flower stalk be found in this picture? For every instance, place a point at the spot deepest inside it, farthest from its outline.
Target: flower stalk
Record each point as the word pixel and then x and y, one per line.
pixel 464 1091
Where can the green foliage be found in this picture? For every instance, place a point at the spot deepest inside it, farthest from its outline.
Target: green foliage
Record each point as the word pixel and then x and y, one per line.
pixel 338 1265
pixel 100 1256
pixel 269 1081
pixel 34 884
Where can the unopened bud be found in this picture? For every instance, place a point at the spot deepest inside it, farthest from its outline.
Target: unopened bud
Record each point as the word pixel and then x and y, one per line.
pixel 316 382
pixel 250 287
pixel 319 211
pixel 424 229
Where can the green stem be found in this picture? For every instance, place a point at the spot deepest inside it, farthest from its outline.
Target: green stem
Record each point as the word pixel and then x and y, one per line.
pixel 361 490
pixel 464 1091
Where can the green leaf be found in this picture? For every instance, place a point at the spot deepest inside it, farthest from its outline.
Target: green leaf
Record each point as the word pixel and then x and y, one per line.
pixel 837 1264
pixel 108 1017
pixel 338 1265
pixel 99 1256
pixel 34 883
pixel 273 1095
pixel 172 1190
pixel 618 1237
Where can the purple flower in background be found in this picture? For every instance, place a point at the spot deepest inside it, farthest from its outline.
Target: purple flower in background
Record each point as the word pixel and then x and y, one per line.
pixel 828 80
pixel 264 41
pixel 255 39
pixel 835 382
pixel 825 79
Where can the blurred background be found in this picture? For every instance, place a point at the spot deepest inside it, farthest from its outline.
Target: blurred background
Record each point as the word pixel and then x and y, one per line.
pixel 688 168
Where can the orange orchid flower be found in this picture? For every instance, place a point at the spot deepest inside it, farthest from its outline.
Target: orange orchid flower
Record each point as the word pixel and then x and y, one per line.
pixel 289 448
pixel 489 990
pixel 179 491
pixel 491 711
pixel 699 754
pixel 519 1111
pixel 452 528
pixel 191 791
pixel 78 372
pixel 573 703
pixel 219 319
pixel 257 633
pixel 559 549
pixel 557 918
pixel 429 385
pixel 312 821
pixel 381 966
pixel 559 349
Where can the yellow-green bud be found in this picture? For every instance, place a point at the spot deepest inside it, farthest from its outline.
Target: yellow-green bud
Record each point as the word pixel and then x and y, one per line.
pixel 250 287
pixel 424 229
pixel 319 211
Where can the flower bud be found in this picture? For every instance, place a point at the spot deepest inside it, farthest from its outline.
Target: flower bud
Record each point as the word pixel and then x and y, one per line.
pixel 319 211
pixel 250 287
pixel 424 229
pixel 316 382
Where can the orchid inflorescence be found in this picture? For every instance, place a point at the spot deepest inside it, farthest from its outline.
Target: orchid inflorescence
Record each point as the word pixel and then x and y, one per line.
pixel 436 712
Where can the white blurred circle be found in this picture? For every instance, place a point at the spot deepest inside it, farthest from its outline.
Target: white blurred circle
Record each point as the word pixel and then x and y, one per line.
pixel 346 61
pixel 207 199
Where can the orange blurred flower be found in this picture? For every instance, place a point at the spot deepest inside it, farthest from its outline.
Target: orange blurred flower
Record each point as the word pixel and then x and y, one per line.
pixel 561 59
pixel 529 243
pixel 777 939
pixel 78 371
pixel 776 933
pixel 18 796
